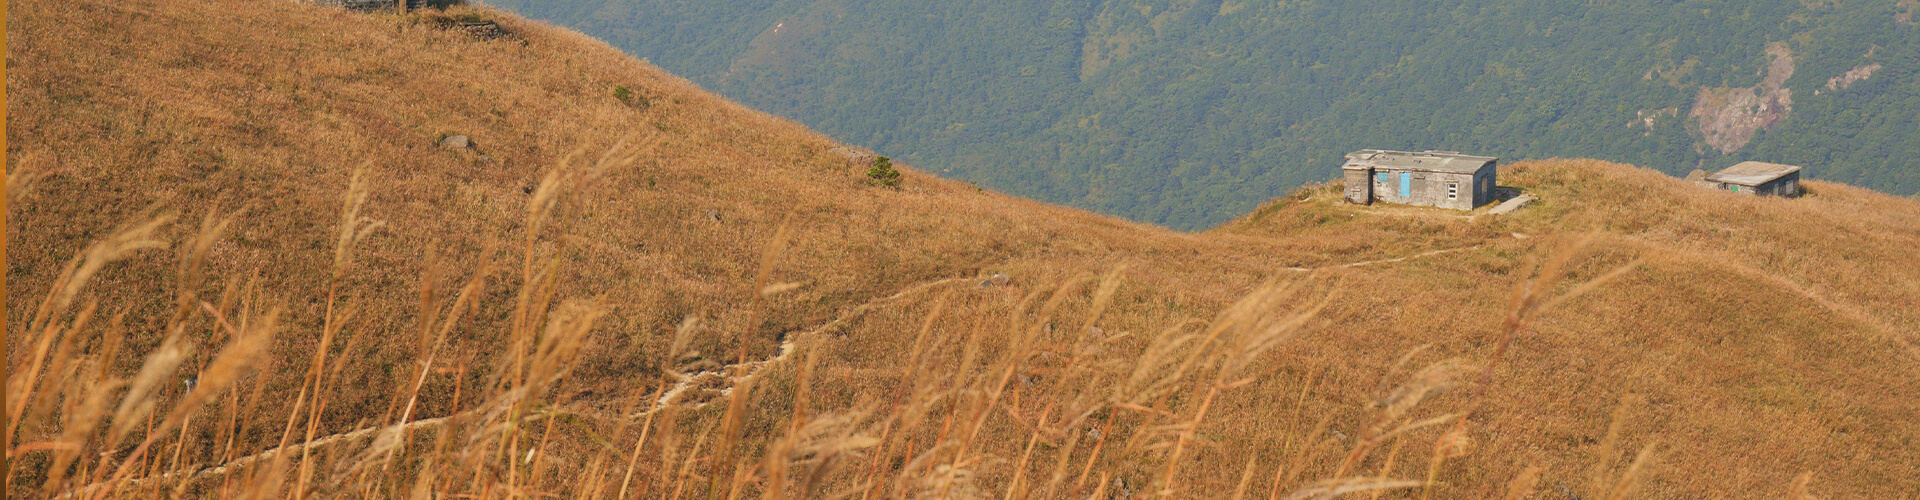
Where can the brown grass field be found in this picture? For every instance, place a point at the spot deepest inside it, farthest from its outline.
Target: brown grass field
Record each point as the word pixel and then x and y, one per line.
pixel 240 265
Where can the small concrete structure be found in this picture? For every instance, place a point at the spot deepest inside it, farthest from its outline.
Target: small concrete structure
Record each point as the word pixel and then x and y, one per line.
pixel 1509 206
pixel 1443 179
pixel 1756 178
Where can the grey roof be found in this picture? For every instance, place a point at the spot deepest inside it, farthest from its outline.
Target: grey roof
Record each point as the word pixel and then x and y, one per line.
pixel 1434 161
pixel 1752 173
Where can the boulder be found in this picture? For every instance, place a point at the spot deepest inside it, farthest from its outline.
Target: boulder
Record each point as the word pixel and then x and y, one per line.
pixel 854 156
pixel 456 142
pixel 483 30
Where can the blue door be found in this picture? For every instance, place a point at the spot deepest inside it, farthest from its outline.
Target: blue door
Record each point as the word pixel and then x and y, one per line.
pixel 1406 184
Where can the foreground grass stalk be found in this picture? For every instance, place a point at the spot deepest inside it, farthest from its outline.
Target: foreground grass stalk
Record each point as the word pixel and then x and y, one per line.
pixel 1061 464
pixel 1311 448
pixel 1386 469
pixel 1168 482
pixel 681 479
pixel 730 438
pixel 6 348
pixel 1246 477
pixel 540 452
pixel 1453 444
pixel 352 228
pixel 1093 457
pixel 1020 469
pixel 633 460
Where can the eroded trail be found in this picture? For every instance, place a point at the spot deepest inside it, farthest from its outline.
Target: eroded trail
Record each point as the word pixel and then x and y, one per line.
pixel 1429 253
pixel 731 375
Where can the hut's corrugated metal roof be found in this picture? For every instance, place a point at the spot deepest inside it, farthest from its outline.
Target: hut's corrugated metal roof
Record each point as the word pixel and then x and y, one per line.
pixel 1752 173
pixel 1435 161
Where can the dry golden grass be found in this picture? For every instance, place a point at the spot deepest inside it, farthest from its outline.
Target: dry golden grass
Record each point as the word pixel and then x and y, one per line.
pixel 240 265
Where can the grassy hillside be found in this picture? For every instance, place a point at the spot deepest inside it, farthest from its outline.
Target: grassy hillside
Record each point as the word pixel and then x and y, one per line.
pixel 1187 113
pixel 241 263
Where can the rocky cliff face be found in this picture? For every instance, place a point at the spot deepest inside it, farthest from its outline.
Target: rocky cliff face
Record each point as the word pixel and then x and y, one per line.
pixel 1727 118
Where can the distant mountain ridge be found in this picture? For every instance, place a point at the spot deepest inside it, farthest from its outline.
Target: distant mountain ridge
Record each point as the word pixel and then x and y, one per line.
pixel 1187 112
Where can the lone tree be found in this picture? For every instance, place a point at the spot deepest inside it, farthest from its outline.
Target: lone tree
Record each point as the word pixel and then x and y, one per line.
pixel 883 172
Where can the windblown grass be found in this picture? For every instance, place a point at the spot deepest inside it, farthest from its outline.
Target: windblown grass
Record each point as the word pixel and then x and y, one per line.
pixel 248 270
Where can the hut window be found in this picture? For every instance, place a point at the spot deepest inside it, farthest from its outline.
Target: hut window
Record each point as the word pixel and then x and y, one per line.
pixel 1453 190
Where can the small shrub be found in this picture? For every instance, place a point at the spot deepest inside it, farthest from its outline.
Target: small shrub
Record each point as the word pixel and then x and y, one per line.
pixel 883 172
pixel 629 97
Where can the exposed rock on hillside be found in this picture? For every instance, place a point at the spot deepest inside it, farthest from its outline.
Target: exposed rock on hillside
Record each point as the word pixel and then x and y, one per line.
pixel 483 30
pixel 1728 117
pixel 854 156
pixel 1648 118
pixel 1847 79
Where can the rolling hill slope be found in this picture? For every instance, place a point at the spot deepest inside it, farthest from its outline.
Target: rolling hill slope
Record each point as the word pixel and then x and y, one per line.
pixel 241 260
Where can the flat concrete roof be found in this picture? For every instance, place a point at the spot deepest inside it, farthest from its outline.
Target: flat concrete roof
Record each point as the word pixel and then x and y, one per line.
pixel 1434 161
pixel 1752 173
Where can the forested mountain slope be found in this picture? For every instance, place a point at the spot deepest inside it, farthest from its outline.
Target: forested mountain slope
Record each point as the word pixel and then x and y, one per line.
pixel 1187 112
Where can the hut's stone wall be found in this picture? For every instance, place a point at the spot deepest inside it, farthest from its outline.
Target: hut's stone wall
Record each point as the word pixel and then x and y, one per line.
pixel 1756 179
pixel 1359 185
pixel 1788 185
pixel 1434 179
pixel 1460 191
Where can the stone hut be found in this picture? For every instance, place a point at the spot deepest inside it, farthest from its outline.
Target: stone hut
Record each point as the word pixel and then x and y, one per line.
pixel 1443 179
pixel 1757 179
